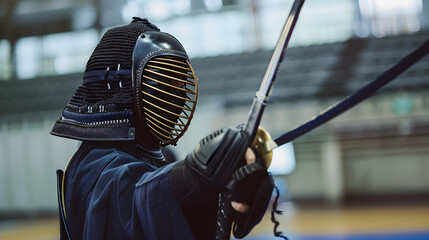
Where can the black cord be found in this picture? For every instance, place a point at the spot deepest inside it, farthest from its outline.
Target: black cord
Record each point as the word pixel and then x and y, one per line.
pixel 274 211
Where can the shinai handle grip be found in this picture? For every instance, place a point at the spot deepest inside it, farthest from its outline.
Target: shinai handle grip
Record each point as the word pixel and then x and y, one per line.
pixel 224 216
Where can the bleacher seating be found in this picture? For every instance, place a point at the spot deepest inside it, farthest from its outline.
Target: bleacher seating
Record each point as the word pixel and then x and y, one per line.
pixel 316 71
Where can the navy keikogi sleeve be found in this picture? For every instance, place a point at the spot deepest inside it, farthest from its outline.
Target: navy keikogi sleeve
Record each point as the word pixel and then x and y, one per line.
pixel 132 200
pixel 165 217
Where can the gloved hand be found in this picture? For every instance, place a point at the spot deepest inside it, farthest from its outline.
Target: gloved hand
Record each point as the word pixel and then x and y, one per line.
pixel 197 181
pixel 251 187
pixel 211 163
pixel 218 155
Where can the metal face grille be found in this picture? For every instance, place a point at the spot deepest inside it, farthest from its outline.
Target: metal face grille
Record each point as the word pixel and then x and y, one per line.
pixel 170 91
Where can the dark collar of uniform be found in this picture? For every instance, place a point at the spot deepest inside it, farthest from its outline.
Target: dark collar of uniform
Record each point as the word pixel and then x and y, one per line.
pixel 155 158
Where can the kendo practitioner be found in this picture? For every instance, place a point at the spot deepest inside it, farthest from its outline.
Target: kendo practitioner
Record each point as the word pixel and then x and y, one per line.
pixel 139 93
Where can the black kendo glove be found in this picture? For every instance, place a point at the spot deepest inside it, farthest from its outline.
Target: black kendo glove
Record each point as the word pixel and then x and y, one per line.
pixel 252 185
pixel 211 164
pixel 197 181
pixel 217 159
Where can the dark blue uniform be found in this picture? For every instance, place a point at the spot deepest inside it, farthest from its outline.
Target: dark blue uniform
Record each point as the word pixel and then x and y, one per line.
pixel 121 191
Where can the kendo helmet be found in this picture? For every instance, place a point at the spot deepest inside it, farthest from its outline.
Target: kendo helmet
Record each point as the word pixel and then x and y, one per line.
pixel 138 85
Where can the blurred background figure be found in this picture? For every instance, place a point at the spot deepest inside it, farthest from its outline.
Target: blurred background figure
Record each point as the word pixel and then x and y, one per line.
pixel 364 173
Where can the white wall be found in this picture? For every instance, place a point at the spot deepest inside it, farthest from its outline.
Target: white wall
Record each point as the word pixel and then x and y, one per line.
pixel 29 157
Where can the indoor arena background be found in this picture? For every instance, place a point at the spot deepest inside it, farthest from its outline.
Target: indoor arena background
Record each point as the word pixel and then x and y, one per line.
pixel 364 175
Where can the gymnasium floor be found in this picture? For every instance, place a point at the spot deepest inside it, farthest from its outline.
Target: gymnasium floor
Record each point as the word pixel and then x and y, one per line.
pixel 410 222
